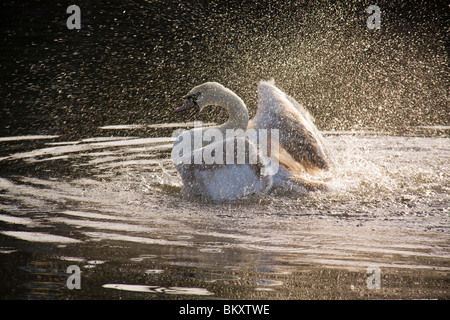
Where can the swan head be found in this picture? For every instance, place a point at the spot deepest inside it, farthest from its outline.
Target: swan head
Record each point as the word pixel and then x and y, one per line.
pixel 206 94
pixel 213 93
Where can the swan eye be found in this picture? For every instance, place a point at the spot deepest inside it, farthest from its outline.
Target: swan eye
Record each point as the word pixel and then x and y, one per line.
pixel 193 98
pixel 190 102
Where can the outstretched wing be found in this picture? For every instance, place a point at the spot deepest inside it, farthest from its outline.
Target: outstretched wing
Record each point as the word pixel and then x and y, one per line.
pixel 300 143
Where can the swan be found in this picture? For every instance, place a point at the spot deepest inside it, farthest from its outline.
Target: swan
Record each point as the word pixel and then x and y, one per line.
pixel 227 162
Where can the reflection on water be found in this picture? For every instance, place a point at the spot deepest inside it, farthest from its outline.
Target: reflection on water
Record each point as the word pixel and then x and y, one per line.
pixel 156 289
pixel 38 237
pixel 113 207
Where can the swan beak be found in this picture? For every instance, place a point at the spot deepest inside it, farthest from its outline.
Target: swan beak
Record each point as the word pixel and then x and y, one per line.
pixel 189 104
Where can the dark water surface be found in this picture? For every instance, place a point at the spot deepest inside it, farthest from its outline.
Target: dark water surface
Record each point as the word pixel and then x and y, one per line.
pixel 86 130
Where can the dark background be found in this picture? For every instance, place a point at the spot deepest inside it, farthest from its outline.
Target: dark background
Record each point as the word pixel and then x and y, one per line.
pixel 132 61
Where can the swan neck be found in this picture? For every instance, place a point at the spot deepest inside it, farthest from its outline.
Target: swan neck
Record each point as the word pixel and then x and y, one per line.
pixel 237 113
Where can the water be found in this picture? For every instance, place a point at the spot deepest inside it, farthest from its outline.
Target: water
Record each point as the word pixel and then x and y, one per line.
pixel 86 130
pixel 113 207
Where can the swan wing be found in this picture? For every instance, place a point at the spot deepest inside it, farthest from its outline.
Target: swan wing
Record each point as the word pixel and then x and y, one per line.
pixel 301 145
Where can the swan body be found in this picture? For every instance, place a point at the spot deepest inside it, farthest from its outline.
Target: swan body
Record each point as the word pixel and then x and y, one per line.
pixel 224 163
pixel 224 181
